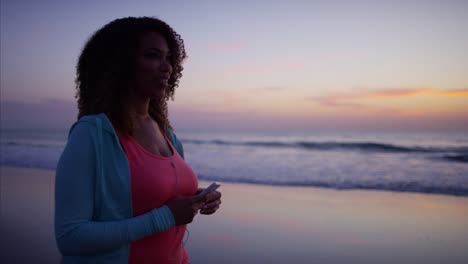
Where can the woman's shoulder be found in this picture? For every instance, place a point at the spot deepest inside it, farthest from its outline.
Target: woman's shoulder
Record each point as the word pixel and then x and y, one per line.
pixel 93 118
pixel 86 120
pixel 93 122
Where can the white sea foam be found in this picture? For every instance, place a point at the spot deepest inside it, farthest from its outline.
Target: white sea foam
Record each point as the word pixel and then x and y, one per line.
pixel 430 163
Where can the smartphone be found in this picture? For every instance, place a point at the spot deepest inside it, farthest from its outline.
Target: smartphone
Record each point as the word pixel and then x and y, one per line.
pixel 212 187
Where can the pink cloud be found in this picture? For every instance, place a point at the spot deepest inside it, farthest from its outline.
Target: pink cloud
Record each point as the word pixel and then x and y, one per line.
pixel 60 114
pixel 343 100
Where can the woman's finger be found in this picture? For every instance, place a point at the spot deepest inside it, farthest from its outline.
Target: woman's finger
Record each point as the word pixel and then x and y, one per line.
pixel 213 196
pixel 198 206
pixel 210 206
pixel 210 211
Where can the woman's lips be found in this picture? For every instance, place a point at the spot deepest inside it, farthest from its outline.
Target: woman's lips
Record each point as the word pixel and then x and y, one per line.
pixel 163 82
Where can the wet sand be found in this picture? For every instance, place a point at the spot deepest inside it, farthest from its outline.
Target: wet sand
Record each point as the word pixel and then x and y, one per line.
pixel 267 224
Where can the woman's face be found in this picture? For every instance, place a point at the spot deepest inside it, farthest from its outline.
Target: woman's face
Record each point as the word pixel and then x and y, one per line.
pixel 152 67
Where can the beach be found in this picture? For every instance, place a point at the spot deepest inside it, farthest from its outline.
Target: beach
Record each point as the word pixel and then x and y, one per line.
pixel 267 224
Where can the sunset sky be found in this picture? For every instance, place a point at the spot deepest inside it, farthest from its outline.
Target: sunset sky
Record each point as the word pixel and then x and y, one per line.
pixel 253 65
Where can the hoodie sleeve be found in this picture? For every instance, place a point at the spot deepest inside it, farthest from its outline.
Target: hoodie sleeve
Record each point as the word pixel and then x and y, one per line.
pixel 75 231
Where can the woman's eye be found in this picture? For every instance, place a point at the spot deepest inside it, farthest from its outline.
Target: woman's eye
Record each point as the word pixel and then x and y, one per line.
pixel 153 55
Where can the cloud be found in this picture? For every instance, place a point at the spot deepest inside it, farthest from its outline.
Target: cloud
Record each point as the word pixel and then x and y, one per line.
pixel 242 116
pixel 242 98
pixel 456 92
pixel 265 90
pixel 229 99
pixel 349 100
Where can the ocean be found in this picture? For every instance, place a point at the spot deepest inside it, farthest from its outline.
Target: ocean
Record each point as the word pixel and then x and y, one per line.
pixel 403 162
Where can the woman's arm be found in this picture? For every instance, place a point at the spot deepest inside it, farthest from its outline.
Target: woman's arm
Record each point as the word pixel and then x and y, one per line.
pixel 76 233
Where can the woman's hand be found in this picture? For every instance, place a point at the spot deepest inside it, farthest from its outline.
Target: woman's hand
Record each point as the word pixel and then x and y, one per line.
pixel 212 202
pixel 185 208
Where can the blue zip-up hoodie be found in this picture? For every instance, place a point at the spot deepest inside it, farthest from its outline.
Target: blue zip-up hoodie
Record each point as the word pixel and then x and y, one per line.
pixel 94 222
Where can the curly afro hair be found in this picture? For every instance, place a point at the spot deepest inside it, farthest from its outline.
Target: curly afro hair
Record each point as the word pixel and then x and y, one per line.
pixel 106 64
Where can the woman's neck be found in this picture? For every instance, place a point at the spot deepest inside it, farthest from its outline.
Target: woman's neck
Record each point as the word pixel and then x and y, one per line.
pixel 139 106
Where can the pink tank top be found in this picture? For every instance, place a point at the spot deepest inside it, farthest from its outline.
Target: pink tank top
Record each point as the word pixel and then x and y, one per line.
pixel 154 180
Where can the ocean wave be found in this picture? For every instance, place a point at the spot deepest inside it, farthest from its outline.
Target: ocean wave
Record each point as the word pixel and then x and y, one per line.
pixel 457 153
pixel 457 158
pixel 326 146
pixel 393 185
pixel 396 186
pixel 33 144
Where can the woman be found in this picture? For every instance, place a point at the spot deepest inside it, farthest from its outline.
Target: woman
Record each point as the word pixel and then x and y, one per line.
pixel 123 192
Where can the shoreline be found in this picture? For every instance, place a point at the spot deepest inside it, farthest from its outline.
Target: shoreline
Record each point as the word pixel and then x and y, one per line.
pixel 268 224
pixel 350 189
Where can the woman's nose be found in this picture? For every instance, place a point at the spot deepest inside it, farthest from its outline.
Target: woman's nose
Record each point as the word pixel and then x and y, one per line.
pixel 166 67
